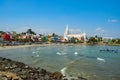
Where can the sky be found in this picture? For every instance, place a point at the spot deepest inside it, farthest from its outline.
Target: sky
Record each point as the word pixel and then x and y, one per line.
pixel 94 17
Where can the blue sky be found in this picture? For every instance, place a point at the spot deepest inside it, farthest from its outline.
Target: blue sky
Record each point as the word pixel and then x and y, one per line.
pixel 95 17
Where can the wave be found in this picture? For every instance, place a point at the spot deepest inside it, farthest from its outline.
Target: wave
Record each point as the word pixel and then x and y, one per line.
pixel 101 59
pixel 76 53
pixel 63 71
pixel 58 53
pixel 33 52
pixel 37 55
pixel 66 76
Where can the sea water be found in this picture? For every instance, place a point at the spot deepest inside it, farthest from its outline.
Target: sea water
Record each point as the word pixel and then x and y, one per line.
pixel 91 62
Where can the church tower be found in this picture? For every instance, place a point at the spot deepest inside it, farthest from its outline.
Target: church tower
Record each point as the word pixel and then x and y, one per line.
pixel 66 31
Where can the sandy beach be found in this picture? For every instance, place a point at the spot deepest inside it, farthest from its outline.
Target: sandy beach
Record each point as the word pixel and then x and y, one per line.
pixel 32 45
pixel 26 45
pixel 51 44
pixel 18 46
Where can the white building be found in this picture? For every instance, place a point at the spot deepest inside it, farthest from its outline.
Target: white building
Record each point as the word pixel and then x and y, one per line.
pixel 67 35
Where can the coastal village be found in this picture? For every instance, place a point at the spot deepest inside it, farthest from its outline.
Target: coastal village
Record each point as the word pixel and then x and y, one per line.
pixel 59 39
pixel 29 37
pixel 14 70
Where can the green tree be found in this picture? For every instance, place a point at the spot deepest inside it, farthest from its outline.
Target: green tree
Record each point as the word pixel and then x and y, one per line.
pixel 99 39
pixel 92 40
pixel 53 34
pixel 2 32
pixel 96 36
pixel 44 39
pixel 118 41
pixel 29 31
pixel 72 40
pixel 113 40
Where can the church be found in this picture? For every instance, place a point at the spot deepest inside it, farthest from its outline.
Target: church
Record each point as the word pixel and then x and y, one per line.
pixel 68 36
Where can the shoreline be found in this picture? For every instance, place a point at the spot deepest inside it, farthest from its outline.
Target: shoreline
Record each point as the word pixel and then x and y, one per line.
pixel 33 45
pixel 52 44
pixel 26 45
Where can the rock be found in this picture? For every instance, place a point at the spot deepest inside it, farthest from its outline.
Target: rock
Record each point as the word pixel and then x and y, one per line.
pixel 4 78
pixel 26 67
pixel 58 75
pixel 13 70
pixel 3 59
pixel 81 78
pixel 24 77
pixel 9 78
pixel 42 72
pixel 6 67
pixel 16 79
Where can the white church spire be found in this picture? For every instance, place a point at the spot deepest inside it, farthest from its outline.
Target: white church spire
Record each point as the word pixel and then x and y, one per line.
pixel 66 31
pixel 67 35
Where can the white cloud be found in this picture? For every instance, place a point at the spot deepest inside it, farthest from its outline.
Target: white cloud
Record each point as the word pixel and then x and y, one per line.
pixel 100 29
pixel 43 30
pixel 97 29
pixel 100 32
pixel 112 20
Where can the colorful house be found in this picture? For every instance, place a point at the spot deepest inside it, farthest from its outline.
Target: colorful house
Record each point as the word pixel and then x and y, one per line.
pixel 7 36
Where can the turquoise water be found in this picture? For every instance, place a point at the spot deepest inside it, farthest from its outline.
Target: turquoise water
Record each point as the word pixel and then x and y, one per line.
pixel 85 61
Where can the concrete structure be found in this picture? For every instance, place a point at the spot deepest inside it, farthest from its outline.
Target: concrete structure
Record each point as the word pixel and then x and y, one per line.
pixel 67 35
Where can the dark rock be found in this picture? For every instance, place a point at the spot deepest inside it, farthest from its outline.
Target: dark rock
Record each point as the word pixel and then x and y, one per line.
pixel 16 79
pixel 57 75
pixel 24 77
pixel 9 78
pixel 81 78
pixel 25 72
pixel 3 59
pixel 42 72
pixel 4 78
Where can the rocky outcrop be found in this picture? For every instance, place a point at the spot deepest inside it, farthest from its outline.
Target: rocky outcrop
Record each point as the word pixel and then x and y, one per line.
pixel 13 70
